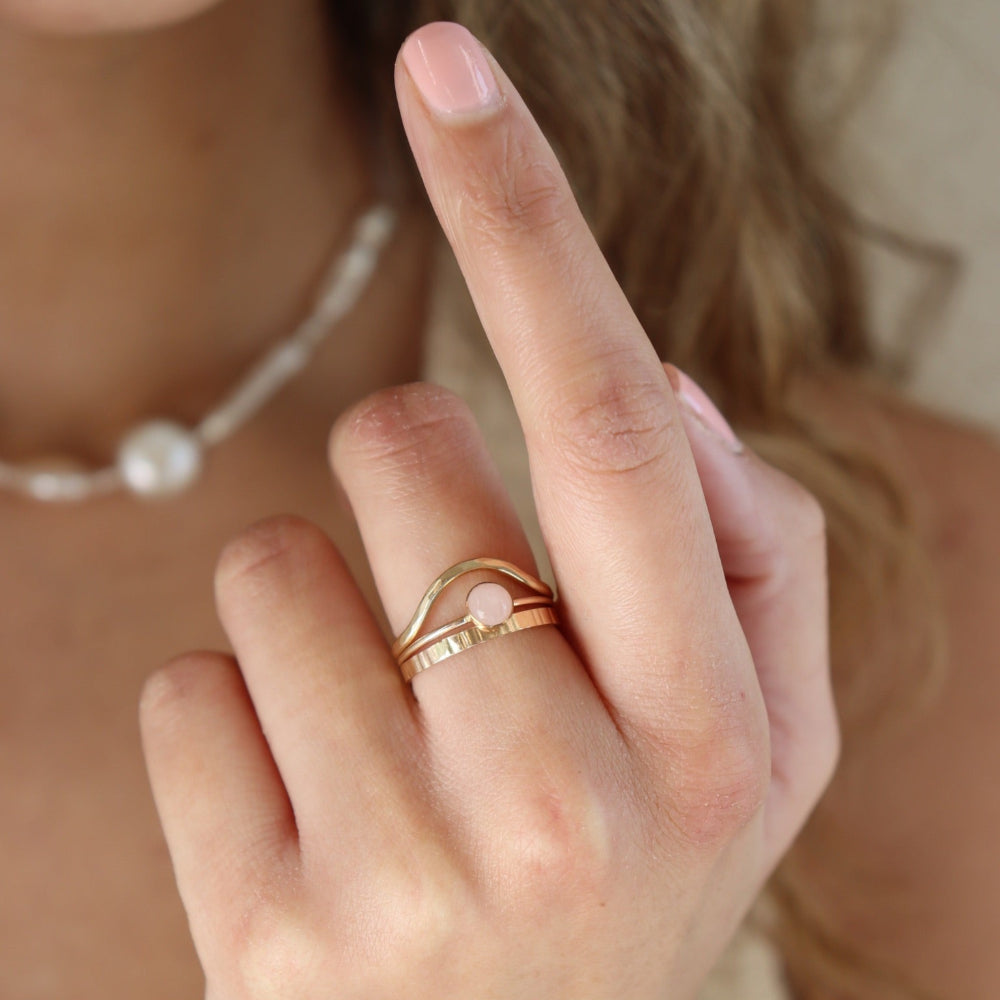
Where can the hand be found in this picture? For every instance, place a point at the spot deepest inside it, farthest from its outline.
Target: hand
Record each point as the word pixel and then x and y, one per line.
pixel 564 813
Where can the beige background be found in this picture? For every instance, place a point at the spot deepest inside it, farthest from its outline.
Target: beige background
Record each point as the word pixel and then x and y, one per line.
pixel 924 149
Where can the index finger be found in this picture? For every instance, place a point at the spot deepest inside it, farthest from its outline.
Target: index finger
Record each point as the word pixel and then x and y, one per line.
pixel 616 489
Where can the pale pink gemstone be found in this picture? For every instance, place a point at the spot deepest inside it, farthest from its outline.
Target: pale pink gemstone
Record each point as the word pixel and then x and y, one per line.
pixel 489 604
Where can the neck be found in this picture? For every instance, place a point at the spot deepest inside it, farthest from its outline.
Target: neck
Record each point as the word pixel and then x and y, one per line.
pixel 167 203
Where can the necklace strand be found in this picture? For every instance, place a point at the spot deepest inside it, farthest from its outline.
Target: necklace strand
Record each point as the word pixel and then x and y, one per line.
pixel 161 457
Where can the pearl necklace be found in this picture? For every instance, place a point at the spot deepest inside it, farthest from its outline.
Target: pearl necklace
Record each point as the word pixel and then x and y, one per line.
pixel 161 457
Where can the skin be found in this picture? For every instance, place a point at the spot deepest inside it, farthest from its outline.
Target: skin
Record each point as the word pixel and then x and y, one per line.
pixel 227 153
pixel 73 18
pixel 202 700
pixel 326 825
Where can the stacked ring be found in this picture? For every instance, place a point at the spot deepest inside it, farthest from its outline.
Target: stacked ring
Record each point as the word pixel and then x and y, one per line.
pixel 491 612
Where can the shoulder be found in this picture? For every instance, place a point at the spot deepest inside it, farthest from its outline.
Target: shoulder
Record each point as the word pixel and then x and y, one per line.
pixel 948 469
pixel 915 885
pixel 950 472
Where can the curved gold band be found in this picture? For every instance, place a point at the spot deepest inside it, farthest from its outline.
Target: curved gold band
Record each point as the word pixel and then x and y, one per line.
pixel 415 652
pixel 449 576
pixel 475 634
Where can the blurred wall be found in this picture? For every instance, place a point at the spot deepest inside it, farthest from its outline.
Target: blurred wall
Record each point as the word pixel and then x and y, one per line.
pixel 924 152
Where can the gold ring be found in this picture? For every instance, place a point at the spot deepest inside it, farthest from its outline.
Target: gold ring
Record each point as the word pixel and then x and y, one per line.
pixel 492 612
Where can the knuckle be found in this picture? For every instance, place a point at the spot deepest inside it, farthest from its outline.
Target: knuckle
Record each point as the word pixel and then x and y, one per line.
pixel 809 516
pixel 515 190
pixel 828 749
pixel 722 788
pixel 617 426
pixel 719 771
pixel 257 551
pixel 799 512
pixel 167 691
pixel 559 849
pixel 274 952
pixel 399 427
pixel 417 916
pixel 830 762
pixel 788 533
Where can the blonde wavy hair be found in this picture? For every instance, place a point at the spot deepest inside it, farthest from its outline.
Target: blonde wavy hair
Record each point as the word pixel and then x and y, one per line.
pixel 701 159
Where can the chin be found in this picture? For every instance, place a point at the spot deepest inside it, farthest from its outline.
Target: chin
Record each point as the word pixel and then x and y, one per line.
pixel 95 17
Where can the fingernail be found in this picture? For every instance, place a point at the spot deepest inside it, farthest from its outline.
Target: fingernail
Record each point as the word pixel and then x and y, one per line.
pixel 698 401
pixel 450 69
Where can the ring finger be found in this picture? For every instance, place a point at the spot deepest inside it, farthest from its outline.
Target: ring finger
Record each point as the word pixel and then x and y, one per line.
pixel 426 495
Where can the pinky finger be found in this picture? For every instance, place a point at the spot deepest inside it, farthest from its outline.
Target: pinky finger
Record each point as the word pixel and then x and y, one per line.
pixel 226 816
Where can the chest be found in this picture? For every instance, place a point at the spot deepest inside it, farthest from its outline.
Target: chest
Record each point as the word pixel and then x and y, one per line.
pixel 88 906
pixel 88 902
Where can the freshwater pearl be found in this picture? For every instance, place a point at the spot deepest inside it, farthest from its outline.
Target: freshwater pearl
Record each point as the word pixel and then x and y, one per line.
pixel 159 458
pixel 55 478
pixel 490 604
pixel 162 457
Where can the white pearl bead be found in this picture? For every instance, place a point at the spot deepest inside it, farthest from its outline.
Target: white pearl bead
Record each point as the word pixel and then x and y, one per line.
pixel 159 458
pixel 55 484
pixel 55 478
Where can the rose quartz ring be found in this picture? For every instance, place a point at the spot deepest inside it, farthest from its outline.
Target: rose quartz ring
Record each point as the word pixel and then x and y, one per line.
pixel 489 604
pixel 491 611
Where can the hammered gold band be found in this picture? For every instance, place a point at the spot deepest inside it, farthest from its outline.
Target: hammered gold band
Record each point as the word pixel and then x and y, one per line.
pixel 473 635
pixel 492 612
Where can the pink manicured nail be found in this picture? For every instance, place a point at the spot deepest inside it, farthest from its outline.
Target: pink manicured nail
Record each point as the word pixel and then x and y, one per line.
pixel 697 399
pixel 450 69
